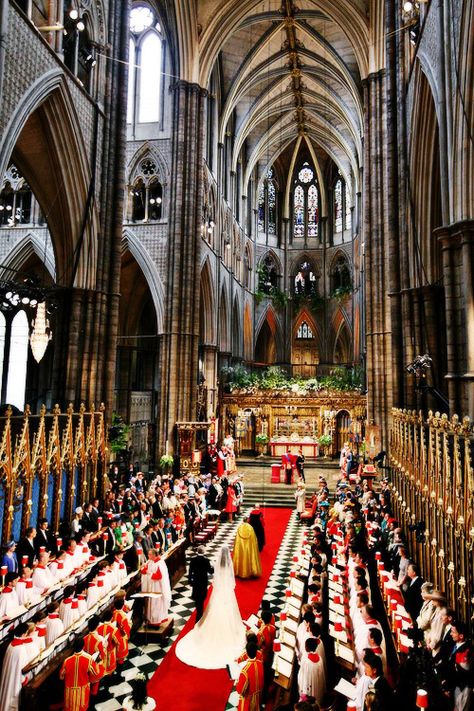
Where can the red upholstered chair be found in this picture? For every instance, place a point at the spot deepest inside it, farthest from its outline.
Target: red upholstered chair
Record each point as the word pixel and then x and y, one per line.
pixel 309 514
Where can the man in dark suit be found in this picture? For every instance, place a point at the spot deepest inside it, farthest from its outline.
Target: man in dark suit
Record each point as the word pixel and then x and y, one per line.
pixel 199 570
pixel 43 538
pixel 413 599
pixel 384 692
pixel 26 548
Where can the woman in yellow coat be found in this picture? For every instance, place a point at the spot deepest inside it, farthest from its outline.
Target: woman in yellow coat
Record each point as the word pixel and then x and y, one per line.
pixel 246 555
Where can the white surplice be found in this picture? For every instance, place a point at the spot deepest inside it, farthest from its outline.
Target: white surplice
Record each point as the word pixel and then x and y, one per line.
pixel 156 609
pixel 19 653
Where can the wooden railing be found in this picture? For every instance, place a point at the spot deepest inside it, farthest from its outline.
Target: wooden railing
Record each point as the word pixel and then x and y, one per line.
pixel 432 481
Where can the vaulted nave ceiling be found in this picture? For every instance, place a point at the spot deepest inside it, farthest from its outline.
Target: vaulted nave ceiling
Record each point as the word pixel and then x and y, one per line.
pixel 288 69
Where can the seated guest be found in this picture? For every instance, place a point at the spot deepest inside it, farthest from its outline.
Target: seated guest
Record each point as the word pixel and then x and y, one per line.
pixel 54 624
pixel 311 676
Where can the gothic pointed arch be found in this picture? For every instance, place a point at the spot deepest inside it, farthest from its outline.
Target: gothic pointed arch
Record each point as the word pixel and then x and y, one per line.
pixel 269 341
pixel 305 346
pixel 148 152
pixel 43 128
pixel 341 338
pixel 224 341
pixel 248 332
pixel 148 267
pixel 236 331
pixel 206 306
pixel 340 272
pixel 425 171
pixel 29 245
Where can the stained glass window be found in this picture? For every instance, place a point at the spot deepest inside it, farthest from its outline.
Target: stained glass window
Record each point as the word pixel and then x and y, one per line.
pixel 306 174
pixel 305 204
pixel 271 207
pixel 338 206
pixel 261 208
pixel 304 331
pixel 348 224
pixel 313 211
pixel 298 212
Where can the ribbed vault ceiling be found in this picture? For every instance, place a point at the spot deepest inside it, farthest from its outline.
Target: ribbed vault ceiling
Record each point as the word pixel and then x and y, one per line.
pixel 288 69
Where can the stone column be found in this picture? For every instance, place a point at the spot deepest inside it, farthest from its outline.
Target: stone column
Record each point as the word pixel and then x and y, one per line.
pixel 457 244
pixel 378 334
pixel 87 320
pixel 180 340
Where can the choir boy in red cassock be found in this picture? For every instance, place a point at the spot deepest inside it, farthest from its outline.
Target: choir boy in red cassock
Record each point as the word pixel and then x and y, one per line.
pixel 250 682
pixel 120 618
pixel 78 672
pixel 94 643
pixel 108 630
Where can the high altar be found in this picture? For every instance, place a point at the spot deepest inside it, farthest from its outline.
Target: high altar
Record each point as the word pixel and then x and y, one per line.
pixel 293 419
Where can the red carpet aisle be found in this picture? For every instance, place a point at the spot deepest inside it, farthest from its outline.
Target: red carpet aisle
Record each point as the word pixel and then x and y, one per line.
pixel 182 688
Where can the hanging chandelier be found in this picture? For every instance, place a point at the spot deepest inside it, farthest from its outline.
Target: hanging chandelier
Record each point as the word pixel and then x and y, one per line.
pixel 38 301
pixel 41 333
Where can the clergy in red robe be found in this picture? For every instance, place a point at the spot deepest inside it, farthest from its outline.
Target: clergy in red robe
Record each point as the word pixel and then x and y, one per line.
pixel 250 682
pixel 266 637
pixel 94 643
pixel 78 671
pixel 120 617
pixel 107 629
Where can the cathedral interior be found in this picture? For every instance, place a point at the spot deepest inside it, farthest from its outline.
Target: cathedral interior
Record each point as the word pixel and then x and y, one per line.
pixel 238 215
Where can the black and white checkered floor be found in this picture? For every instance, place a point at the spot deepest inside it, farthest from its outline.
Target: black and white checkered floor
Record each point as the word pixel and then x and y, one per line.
pixel 148 657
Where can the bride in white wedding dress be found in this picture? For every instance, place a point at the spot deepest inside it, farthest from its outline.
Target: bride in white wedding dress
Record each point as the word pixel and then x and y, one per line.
pixel 219 636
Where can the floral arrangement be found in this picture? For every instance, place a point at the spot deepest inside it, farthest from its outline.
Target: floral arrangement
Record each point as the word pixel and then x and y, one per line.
pixel 325 440
pixel 261 439
pixel 275 378
pixel 166 461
